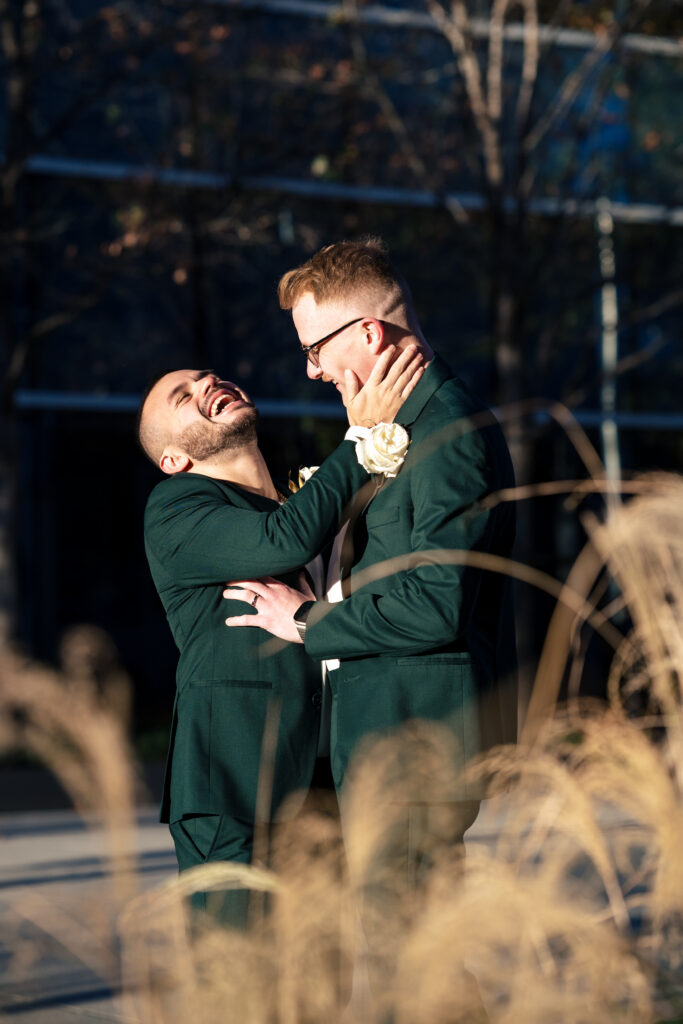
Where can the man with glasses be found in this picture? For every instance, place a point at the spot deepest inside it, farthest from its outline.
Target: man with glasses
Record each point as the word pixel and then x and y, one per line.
pixel 422 632
pixel 435 619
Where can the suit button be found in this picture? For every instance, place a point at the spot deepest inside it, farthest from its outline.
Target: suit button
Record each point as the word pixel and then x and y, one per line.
pixel 317 699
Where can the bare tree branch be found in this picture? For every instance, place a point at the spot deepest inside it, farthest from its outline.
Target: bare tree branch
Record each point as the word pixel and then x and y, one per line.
pixel 41 329
pixel 394 121
pixel 575 81
pixel 456 30
pixel 530 64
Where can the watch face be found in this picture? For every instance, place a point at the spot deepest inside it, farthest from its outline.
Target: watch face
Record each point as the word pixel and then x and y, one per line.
pixel 301 614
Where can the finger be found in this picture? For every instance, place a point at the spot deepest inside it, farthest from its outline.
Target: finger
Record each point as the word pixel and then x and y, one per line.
pixel 352 385
pixel 256 581
pixel 250 587
pixel 413 382
pixel 251 584
pixel 380 368
pixel 240 595
pixel 243 620
pixel 409 356
pixel 407 380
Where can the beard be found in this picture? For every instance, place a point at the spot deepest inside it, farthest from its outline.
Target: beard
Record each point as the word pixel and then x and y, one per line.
pixel 204 441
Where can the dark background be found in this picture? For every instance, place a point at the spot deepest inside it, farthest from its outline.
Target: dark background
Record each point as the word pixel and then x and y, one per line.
pixel 164 164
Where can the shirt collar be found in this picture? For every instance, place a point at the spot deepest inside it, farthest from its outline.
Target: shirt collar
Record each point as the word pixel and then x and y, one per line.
pixel 434 376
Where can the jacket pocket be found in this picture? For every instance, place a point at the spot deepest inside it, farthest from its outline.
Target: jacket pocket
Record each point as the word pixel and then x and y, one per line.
pixel 382 694
pixel 442 658
pixel 242 684
pixel 382 516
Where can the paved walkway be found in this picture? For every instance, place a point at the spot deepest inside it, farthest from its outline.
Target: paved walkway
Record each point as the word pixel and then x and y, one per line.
pixel 54 877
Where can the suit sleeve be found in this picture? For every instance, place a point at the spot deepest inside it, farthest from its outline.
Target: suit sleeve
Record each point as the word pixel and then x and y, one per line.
pixel 201 538
pixel 429 604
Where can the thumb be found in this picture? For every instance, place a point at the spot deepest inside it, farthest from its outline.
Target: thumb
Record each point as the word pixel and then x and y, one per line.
pixel 305 587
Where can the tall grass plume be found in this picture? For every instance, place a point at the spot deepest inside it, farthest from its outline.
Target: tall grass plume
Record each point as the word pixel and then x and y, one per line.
pixel 567 906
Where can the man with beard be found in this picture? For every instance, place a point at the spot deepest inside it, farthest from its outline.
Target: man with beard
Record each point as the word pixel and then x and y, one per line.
pixel 219 516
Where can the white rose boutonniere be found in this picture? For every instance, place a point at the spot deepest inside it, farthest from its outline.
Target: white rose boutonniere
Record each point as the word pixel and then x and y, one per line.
pixel 382 448
pixel 305 473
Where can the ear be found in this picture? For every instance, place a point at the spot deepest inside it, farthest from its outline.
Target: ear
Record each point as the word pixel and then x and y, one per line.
pixel 174 461
pixel 373 332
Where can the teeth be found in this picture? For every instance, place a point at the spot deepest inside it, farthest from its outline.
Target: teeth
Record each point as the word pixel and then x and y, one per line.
pixel 219 404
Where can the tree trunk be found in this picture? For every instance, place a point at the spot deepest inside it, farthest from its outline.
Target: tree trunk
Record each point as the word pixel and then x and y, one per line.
pixel 13 278
pixel 509 351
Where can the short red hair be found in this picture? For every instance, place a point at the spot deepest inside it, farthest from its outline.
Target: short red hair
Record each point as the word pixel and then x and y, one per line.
pixel 347 268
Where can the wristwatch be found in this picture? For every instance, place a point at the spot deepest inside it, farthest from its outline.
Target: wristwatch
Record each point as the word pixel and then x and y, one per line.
pixel 301 617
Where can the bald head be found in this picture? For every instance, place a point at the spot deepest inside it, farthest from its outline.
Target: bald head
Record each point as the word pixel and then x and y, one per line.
pixel 191 416
pixel 152 429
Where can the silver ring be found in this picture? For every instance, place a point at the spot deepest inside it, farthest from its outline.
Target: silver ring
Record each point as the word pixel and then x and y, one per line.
pixel 254 600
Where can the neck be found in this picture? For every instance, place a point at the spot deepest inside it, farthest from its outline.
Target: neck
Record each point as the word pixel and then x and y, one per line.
pixel 245 467
pixel 409 334
pixel 426 350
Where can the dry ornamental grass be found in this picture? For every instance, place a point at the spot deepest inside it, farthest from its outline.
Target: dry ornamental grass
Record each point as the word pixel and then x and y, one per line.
pixel 570 913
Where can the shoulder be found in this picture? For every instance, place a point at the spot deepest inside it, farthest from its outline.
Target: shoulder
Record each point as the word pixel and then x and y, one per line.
pixel 455 399
pixel 456 426
pixel 454 410
pixel 180 493
pixel 181 484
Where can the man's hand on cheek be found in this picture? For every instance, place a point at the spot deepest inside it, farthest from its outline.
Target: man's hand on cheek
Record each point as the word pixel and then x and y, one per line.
pixel 392 379
pixel 273 602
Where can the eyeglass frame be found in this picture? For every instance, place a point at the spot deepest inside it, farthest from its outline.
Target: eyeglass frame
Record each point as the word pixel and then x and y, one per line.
pixel 310 351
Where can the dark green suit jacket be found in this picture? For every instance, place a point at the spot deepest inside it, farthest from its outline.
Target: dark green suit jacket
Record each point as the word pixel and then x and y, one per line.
pixel 199 534
pixel 431 640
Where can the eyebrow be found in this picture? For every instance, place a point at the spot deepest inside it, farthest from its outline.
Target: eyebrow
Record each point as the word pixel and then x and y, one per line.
pixel 183 385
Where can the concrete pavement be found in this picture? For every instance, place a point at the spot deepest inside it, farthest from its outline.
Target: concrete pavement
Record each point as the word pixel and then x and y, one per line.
pixel 56 909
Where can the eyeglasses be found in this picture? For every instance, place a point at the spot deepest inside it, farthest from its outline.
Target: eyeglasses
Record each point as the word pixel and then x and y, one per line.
pixel 311 351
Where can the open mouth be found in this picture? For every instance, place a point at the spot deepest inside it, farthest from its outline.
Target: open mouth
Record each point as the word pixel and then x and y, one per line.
pixel 219 401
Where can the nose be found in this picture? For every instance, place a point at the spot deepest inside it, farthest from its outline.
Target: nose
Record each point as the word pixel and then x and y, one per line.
pixel 205 383
pixel 313 372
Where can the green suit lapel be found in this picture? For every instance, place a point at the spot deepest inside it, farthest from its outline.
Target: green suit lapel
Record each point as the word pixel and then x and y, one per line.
pixel 434 376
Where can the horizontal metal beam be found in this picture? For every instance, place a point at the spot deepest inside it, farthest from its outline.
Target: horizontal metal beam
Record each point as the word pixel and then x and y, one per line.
pixel 78 401
pixel 623 420
pixel 392 17
pixel 106 170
